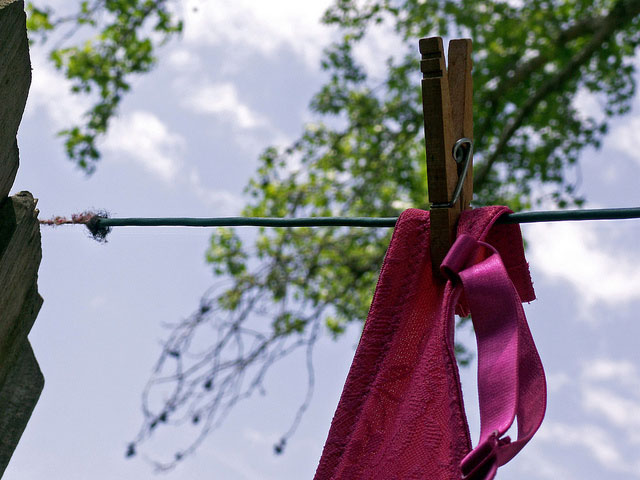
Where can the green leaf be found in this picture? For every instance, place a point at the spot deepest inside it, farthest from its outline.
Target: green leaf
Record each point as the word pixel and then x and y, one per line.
pixel 119 47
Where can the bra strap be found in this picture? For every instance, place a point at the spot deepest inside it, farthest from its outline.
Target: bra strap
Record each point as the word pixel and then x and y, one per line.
pixel 511 381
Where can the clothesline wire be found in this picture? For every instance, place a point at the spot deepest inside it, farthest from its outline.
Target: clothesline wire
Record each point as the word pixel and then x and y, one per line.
pixel 100 221
pixel 521 217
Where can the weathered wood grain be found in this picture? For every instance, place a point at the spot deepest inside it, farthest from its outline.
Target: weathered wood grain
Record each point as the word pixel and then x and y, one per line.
pixel 442 171
pixel 447 96
pixel 17 401
pixel 21 381
pixel 19 331
pixel 20 254
pixel 461 92
pixel 15 79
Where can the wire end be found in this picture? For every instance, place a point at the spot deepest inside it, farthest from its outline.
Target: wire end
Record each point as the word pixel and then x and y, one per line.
pixel 98 231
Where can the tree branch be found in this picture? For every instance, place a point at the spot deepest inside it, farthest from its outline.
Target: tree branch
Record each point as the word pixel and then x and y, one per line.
pixel 525 70
pixel 622 13
pixel 577 30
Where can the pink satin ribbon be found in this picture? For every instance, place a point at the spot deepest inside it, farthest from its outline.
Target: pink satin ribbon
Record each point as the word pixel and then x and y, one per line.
pixel 511 381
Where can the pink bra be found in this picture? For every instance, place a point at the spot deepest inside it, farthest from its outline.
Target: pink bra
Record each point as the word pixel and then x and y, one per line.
pixel 401 414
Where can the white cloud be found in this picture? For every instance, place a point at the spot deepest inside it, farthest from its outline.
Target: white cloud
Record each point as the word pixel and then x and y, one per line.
pixel 556 381
pixel 621 371
pixel 611 390
pixel 623 137
pixel 537 462
pixel 623 412
pixel 596 440
pixel 183 59
pixel 140 137
pixel 586 257
pixel 145 139
pixel 380 43
pixel 261 27
pixel 589 105
pixel 50 91
pixel 223 201
pixel 237 464
pixel 260 439
pixel 222 99
pixel 98 302
pixel 624 131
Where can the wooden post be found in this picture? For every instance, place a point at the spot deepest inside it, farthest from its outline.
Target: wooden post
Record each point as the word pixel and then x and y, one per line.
pixel 21 380
pixel 15 79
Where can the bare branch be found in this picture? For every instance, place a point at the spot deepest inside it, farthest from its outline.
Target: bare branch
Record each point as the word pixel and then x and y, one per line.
pixel 200 386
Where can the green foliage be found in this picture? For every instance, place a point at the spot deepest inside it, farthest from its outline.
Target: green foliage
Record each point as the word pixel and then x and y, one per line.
pixel 112 40
pixel 365 155
pixel 38 20
pixel 226 254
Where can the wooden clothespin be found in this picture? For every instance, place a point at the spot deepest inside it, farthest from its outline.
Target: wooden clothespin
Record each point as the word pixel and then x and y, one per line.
pixel 447 102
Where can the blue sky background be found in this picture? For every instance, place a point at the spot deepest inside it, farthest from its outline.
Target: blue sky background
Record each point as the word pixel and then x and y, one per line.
pixel 185 143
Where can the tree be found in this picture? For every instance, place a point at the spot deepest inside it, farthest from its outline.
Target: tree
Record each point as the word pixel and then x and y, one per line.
pixel 365 157
pixel 123 36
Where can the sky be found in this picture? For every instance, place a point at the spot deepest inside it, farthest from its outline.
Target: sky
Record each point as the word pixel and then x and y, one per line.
pixel 185 143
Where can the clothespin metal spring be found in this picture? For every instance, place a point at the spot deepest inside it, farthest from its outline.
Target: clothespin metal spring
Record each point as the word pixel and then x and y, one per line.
pixel 462 155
